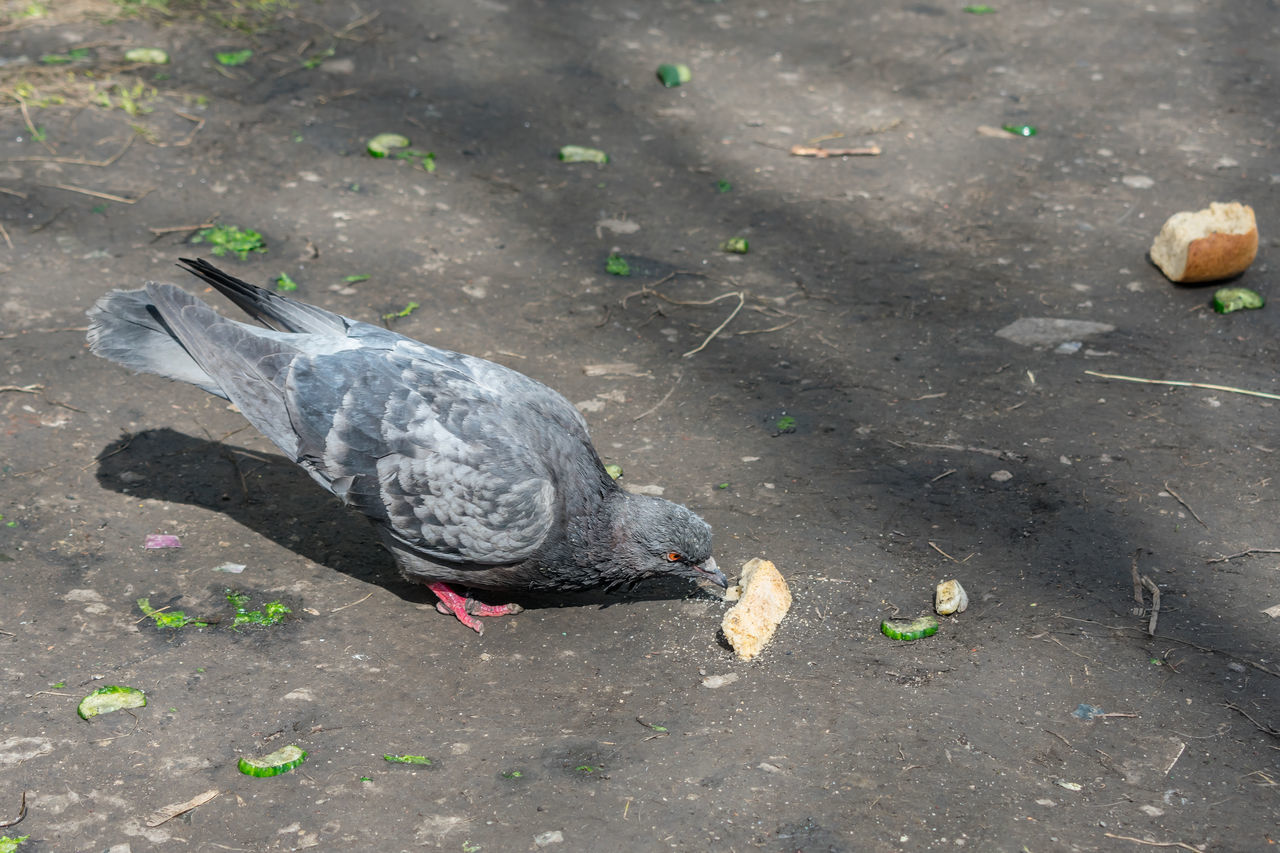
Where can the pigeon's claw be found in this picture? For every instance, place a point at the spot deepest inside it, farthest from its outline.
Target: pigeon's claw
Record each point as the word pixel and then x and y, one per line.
pixel 466 609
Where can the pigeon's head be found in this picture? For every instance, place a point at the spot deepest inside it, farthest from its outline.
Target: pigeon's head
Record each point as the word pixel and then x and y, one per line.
pixel 657 537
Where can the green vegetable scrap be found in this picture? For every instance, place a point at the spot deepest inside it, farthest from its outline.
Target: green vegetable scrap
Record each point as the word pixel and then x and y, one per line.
pixel 382 144
pixel 283 282
pixel 674 74
pixel 403 312
pixel 913 629
pixel 113 697
pixel 272 613
pixel 148 55
pixel 64 58
pixel 168 618
pixel 735 245
pixel 1228 299
pixel 785 424
pixel 1020 129
pixel 511 774
pixel 230 238
pixel 234 57
pixel 352 279
pixel 316 60
pixel 581 154
pixel 614 471
pixel 281 761
pixel 9 845
pixel 980 9
pixel 615 264
pixel 723 186
pixel 407 759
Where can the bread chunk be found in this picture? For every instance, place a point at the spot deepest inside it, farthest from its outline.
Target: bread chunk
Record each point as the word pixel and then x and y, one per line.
pixel 1206 245
pixel 749 624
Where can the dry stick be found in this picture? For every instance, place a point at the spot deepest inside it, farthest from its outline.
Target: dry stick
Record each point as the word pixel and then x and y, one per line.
pixel 174 228
pixel 5 234
pixel 649 289
pixel 78 161
pixel 101 195
pixel 1179 499
pixel 1208 649
pixel 35 134
pixel 1182 384
pixel 1246 552
pixel 23 389
pixel 943 553
pixel 822 153
pixel 22 812
pixel 1155 604
pixel 8 191
pixel 1178 844
pixel 999 454
pixel 664 399
pixel 190 136
pixel 1262 728
pixel 352 604
pixel 1137 585
pixel 742 300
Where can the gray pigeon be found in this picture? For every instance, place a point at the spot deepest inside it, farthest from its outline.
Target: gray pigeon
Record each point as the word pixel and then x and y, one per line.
pixel 473 474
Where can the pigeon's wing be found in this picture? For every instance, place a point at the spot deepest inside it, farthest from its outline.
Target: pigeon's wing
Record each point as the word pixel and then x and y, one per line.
pixel 452 454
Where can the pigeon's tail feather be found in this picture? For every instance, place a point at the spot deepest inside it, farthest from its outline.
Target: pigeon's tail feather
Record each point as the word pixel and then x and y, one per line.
pixel 270 309
pixel 247 363
pixel 125 327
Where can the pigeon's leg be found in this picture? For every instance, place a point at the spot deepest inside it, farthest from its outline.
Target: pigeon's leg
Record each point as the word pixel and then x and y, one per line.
pixel 451 601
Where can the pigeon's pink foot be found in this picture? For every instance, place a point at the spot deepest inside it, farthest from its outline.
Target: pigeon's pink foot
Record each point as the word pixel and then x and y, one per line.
pixel 451 601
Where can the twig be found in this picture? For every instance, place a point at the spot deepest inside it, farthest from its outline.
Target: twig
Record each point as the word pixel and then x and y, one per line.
pixel 22 812
pixel 17 193
pixel 1274 732
pixel 1177 844
pixel 1182 384
pixel 174 228
pixel 101 195
pixel 77 161
pixel 986 451
pixel 45 332
pixel 1179 499
pixel 170 812
pixel 1137 585
pixel 24 389
pixel 771 329
pixel 664 399
pixel 1155 604
pixel 649 289
pixel 1208 649
pixel 190 136
pixel 943 553
pixel 742 300
pixel 5 234
pixel 946 473
pixel 1246 552
pixel 823 153
pixel 352 604
pixel 35 134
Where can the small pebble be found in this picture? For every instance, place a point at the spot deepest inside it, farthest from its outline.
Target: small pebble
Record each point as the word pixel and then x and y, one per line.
pixel 1236 666
pixel 1138 182
pixel 555 836
pixel 1002 476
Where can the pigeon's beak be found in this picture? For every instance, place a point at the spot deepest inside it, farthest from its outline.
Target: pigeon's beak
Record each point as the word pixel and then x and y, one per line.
pixel 713 573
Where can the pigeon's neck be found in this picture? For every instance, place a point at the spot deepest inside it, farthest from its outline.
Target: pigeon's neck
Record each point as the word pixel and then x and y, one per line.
pixel 594 549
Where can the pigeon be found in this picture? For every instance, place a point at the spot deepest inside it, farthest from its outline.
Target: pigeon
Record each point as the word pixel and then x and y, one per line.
pixel 474 475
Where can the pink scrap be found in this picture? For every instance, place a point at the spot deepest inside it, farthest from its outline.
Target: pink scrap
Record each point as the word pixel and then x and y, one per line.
pixel 161 540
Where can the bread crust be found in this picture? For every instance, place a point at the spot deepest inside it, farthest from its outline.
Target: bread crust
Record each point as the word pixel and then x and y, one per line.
pixel 1219 256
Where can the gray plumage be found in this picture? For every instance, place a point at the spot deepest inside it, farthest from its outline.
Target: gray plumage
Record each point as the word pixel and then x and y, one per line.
pixel 472 472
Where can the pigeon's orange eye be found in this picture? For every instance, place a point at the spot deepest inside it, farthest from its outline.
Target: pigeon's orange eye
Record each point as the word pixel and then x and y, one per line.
pixel 673 557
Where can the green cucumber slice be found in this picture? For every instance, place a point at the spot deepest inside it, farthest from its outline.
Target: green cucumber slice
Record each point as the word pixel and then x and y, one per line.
pixel 407 759
pixel 381 145
pixel 674 74
pixel 113 697
pixel 909 629
pixel 282 760
pixel 1228 299
pixel 582 154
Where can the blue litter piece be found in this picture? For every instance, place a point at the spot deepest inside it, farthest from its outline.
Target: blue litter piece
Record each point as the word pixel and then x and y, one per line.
pixel 1087 712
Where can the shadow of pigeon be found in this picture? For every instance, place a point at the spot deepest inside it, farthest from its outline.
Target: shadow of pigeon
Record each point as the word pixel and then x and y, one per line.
pixel 273 497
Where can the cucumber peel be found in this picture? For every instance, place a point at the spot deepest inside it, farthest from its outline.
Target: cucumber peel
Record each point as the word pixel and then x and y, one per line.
pixel 407 759
pixel 909 629
pixel 381 145
pixel 674 74
pixel 113 697
pixel 582 154
pixel 281 761
pixel 1228 299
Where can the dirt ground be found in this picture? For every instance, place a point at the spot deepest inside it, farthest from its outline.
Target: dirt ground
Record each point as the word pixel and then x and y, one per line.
pixel 851 421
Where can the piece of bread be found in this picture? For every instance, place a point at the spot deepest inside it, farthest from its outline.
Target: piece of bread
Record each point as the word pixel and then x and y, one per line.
pixel 1206 245
pixel 749 624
